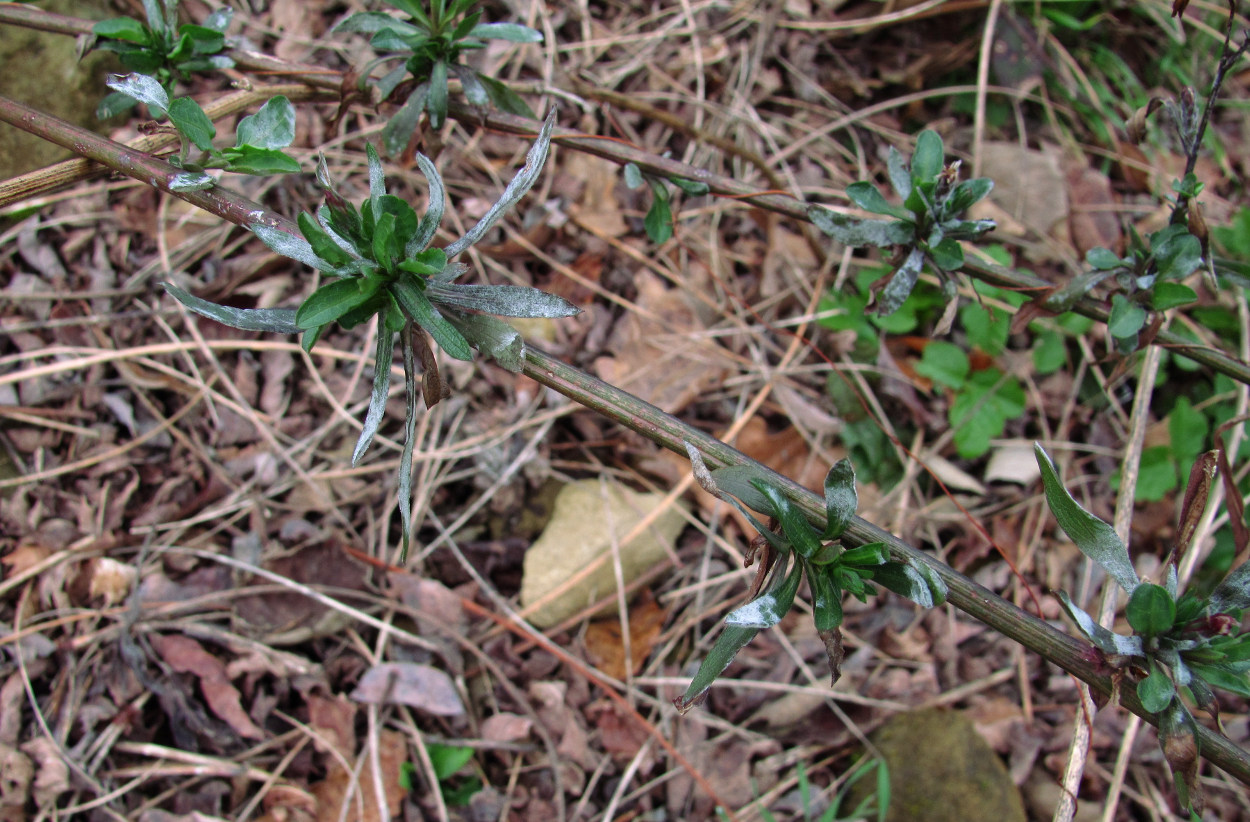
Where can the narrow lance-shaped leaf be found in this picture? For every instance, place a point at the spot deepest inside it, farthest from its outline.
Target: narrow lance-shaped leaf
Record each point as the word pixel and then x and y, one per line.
pixel 854 231
pixel 841 499
pixel 1095 538
pixel 504 300
pixel 418 307
pixel 381 389
pixel 766 610
pixel 1106 640
pixel 288 245
pixel 1233 592
pixel 904 580
pixel 434 210
pixel 521 183
pixel 492 337
pixel 794 523
pixel 512 32
pixel 735 481
pixel 274 320
pixel 732 639
pixel 377 180
pixel 826 599
pixel 410 437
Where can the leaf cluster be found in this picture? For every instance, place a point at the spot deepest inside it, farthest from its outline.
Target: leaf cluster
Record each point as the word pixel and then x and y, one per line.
pixel 160 48
pixel 659 219
pixel 802 550
pixel 925 229
pixel 431 43
pixel 1181 644
pixel 259 138
pixel 379 263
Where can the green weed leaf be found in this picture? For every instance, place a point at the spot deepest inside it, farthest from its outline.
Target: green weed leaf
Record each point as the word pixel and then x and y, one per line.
pixel 841 498
pixel 854 231
pixel 766 610
pixel 414 302
pixel 333 300
pixel 928 159
pixel 381 389
pixel 192 122
pixel 1151 610
pixel 143 88
pixel 504 300
pixel 901 283
pixel 794 524
pixel 944 363
pixel 251 160
pixel 122 28
pixel 866 196
pixel 512 32
pixel 492 337
pixel 826 598
pixel 1156 691
pixel 732 639
pixel 272 126
pixel 1167 295
pixel 273 320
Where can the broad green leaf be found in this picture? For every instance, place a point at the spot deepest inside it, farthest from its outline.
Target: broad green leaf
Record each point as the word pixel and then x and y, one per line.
pixel 504 300
pixel 143 88
pixel 203 39
pixel 505 99
pixel 1151 610
pixel 333 300
pixel 272 126
pixel 944 363
pixel 426 264
pixel 273 320
pixel 901 283
pixel 841 498
pixel 904 580
pixel 405 228
pixel 521 183
pixel 1105 640
pixel 794 524
pixel 323 245
pixel 1167 295
pixel 1187 429
pixel 492 337
pixel 370 22
pixel 1050 352
pixel 122 28
pixel 766 610
pixel 381 390
pixel 1178 254
pixel 865 556
pixel 1103 259
pixel 928 159
pixel 1156 691
pixel 826 598
pixel 1095 538
pixel 250 160
pixel 853 231
pixel 512 32
pixel 414 302
pixel 968 193
pixel 981 409
pixel 732 639
pixel 947 255
pixel 659 220
pixel 1126 319
pixel 192 122
pixel 866 196
pixel 434 209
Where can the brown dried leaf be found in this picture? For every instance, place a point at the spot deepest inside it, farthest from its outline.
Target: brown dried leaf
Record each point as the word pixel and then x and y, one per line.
pixel 185 655
pixel 604 643
pixel 410 683
pixel 111 580
pixel 16 774
pixel 506 727
pixel 51 772
pixel 335 720
pixel 339 796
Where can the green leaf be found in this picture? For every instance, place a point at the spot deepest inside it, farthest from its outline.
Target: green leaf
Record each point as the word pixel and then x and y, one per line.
pixel 370 22
pixel 944 363
pixel 274 320
pixel 900 175
pixel 381 390
pixel 474 91
pixel 1233 593
pixel 1050 352
pixel 504 300
pixel 426 264
pixel 1095 538
pixel 905 580
pixel 1127 318
pixel 1105 640
pixel 1103 259
pixel 659 220
pixel 1151 610
pixel 436 105
pixel 289 245
pixel 841 498
pixel 142 88
pixel 967 193
pixel 250 160
pixel 1177 254
pixel 492 337
pixel 512 32
pixel 1187 429
pixel 504 98
pixel 157 20
pixel 428 225
pixel 928 159
pixel 203 40
pixel 414 302
pixel 323 246
pixel 113 104
pixel 192 122
pixel 1167 295
pixel 122 28
pixel 947 255
pixel 385 246
pixel 766 610
pixel 865 556
pixel 826 598
pixel 333 300
pixel 867 197
pixel 901 283
pixel 272 126
pixel 1157 476
pixel 521 183
pixel 794 524
pixel 1224 677
pixel 732 639
pixel 1156 691
pixel 856 232
pixel 692 187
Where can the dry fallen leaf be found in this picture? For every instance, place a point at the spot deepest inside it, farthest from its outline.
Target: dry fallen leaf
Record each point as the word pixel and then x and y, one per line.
pixel 16 774
pixel 409 683
pixel 51 772
pixel 506 727
pixel 605 647
pixel 337 798
pixel 185 655
pixel 111 580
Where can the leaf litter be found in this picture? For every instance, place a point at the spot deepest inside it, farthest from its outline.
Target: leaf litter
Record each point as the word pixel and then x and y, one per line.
pixel 320 712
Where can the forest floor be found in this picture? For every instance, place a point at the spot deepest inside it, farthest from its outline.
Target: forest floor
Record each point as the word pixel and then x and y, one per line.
pixel 158 459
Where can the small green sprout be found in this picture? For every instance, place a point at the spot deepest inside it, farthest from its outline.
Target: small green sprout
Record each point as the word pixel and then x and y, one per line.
pixel 160 48
pixel 430 44
pixel 659 219
pixel 381 265
pixel 830 568
pixel 926 228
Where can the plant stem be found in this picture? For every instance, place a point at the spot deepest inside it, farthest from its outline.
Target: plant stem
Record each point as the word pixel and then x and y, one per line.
pixel 1063 650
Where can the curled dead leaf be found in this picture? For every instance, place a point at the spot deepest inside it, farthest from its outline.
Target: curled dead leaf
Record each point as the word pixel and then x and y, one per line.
pixel 410 683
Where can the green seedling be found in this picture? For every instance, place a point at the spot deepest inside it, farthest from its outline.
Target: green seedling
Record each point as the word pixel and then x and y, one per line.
pixel 874 806
pixel 431 43
pixel 801 550
pixel 380 264
pixel 925 229
pixel 1181 644
pixel 982 401
pixel 259 138
pixel 659 219
pixel 447 761
pixel 160 48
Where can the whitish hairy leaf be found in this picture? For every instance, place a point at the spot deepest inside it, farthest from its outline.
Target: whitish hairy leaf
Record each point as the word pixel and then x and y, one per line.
pixel 1105 640
pixel 434 211
pixel 516 189
pixel 1233 592
pixel 856 232
pixel 288 245
pixel 1096 539
pixel 143 88
pixel 273 126
pixel 766 610
pixel 275 320
pixel 491 336
pixel 512 32
pixel 370 22
pixel 841 500
pixel 504 300
pixel 905 580
pixel 381 389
